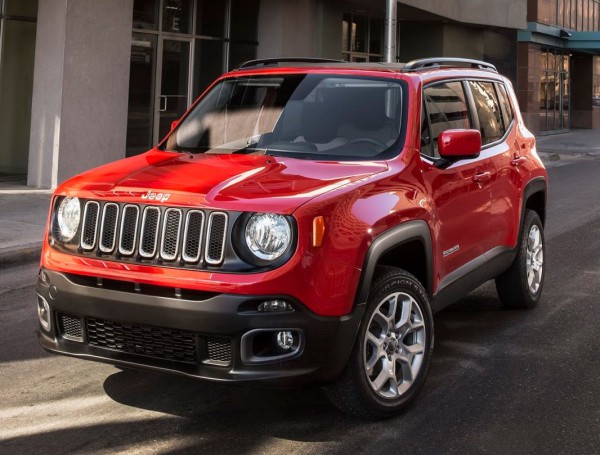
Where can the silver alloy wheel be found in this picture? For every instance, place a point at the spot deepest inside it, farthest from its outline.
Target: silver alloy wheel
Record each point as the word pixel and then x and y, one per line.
pixel 534 259
pixel 394 345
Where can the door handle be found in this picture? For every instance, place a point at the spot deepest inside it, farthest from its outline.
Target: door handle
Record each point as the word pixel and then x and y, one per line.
pixel 162 98
pixel 518 160
pixel 482 177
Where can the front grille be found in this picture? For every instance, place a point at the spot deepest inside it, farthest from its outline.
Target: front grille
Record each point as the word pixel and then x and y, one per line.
pixel 139 339
pixel 140 233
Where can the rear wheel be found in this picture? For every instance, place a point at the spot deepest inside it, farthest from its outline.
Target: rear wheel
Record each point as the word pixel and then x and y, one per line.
pixel 392 352
pixel 521 285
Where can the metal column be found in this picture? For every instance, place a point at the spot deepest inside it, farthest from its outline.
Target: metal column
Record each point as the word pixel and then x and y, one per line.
pixel 391 25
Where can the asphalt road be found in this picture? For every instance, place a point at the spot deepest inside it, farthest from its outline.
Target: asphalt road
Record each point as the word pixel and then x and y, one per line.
pixel 501 382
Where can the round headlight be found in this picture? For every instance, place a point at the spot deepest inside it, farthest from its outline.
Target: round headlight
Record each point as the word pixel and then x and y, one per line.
pixel 69 213
pixel 268 235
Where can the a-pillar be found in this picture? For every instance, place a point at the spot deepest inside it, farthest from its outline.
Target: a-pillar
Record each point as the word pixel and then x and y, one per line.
pixel 80 87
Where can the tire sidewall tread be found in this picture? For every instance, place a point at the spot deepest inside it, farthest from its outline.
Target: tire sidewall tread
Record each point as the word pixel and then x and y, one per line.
pixel 353 393
pixel 512 286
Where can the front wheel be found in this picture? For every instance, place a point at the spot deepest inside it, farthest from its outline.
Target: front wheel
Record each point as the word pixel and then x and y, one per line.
pixel 521 285
pixel 392 352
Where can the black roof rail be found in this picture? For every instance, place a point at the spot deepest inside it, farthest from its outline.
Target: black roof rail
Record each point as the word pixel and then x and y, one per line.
pixel 437 62
pixel 280 60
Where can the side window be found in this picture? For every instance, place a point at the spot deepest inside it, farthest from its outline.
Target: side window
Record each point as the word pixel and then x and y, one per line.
pixel 509 115
pixel 447 109
pixel 488 110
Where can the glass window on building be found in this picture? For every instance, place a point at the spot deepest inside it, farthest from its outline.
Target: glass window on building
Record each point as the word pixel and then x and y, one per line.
pixel 178 48
pixel 579 15
pixel 17 51
pixel 554 91
pixel 362 38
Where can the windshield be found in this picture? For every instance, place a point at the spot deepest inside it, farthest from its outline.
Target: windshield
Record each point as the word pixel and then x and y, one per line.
pixel 303 115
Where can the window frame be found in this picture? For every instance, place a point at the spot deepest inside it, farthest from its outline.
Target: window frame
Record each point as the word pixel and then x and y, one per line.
pixel 474 118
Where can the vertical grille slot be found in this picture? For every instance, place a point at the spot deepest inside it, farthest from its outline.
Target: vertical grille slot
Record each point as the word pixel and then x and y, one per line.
pixel 170 234
pixel 128 233
pixel 215 238
pixel 90 225
pixel 192 236
pixel 149 233
pixel 108 231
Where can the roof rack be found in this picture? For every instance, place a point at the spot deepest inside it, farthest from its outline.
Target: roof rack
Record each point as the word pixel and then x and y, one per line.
pixel 280 60
pixel 437 62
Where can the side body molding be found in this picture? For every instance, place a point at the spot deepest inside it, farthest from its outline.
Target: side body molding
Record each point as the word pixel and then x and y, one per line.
pixel 390 239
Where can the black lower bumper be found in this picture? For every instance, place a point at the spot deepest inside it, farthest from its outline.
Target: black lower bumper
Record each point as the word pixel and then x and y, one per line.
pixel 220 337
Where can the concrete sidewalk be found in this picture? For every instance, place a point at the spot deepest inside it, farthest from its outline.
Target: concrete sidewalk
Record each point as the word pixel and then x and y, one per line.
pixel 24 210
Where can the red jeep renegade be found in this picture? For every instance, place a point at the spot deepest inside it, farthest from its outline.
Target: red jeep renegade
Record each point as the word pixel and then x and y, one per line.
pixel 299 226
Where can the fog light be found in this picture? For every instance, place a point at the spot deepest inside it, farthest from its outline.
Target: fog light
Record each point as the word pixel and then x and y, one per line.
pixel 44 313
pixel 275 306
pixel 285 340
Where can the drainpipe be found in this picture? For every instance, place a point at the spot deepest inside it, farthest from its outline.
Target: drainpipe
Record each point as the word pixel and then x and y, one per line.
pixel 391 25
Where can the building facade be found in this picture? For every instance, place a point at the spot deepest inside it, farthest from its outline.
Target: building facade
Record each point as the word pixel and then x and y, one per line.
pixel 85 82
pixel 558 81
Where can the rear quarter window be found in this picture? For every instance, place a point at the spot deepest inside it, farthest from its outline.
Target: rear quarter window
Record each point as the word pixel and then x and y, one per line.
pixel 488 111
pixel 508 113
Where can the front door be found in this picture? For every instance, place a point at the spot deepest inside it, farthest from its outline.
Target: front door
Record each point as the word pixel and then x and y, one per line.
pixel 159 88
pixel 460 193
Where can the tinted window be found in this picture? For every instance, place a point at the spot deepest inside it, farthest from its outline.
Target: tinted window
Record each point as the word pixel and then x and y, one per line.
pixel 509 115
pixel 488 111
pixel 447 109
pixel 308 116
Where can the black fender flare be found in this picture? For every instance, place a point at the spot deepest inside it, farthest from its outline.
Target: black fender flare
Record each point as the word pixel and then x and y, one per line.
pixel 535 185
pixel 392 238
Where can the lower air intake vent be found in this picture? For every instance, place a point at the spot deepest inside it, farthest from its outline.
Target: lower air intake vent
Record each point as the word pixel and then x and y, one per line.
pixel 150 341
pixel 70 327
pixel 219 351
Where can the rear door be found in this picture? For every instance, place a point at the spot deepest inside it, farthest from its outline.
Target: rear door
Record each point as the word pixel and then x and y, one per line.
pixel 499 146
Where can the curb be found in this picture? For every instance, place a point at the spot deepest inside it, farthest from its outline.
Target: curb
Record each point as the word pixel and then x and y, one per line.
pixel 548 156
pixel 20 254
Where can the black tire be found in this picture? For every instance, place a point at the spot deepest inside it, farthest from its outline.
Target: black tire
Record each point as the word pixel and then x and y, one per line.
pixel 513 287
pixel 354 393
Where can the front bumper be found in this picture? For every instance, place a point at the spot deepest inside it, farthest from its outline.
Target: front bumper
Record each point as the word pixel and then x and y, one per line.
pixel 171 330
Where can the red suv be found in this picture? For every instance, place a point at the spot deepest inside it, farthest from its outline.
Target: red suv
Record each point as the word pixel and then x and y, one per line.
pixel 299 226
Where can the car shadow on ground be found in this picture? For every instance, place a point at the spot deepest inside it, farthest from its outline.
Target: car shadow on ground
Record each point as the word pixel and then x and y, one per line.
pixel 463 333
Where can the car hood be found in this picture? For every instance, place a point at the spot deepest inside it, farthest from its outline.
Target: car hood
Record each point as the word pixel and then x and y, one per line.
pixel 228 182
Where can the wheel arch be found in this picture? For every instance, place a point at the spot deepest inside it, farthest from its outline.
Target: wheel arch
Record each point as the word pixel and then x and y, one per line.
pixel 535 198
pixel 407 246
